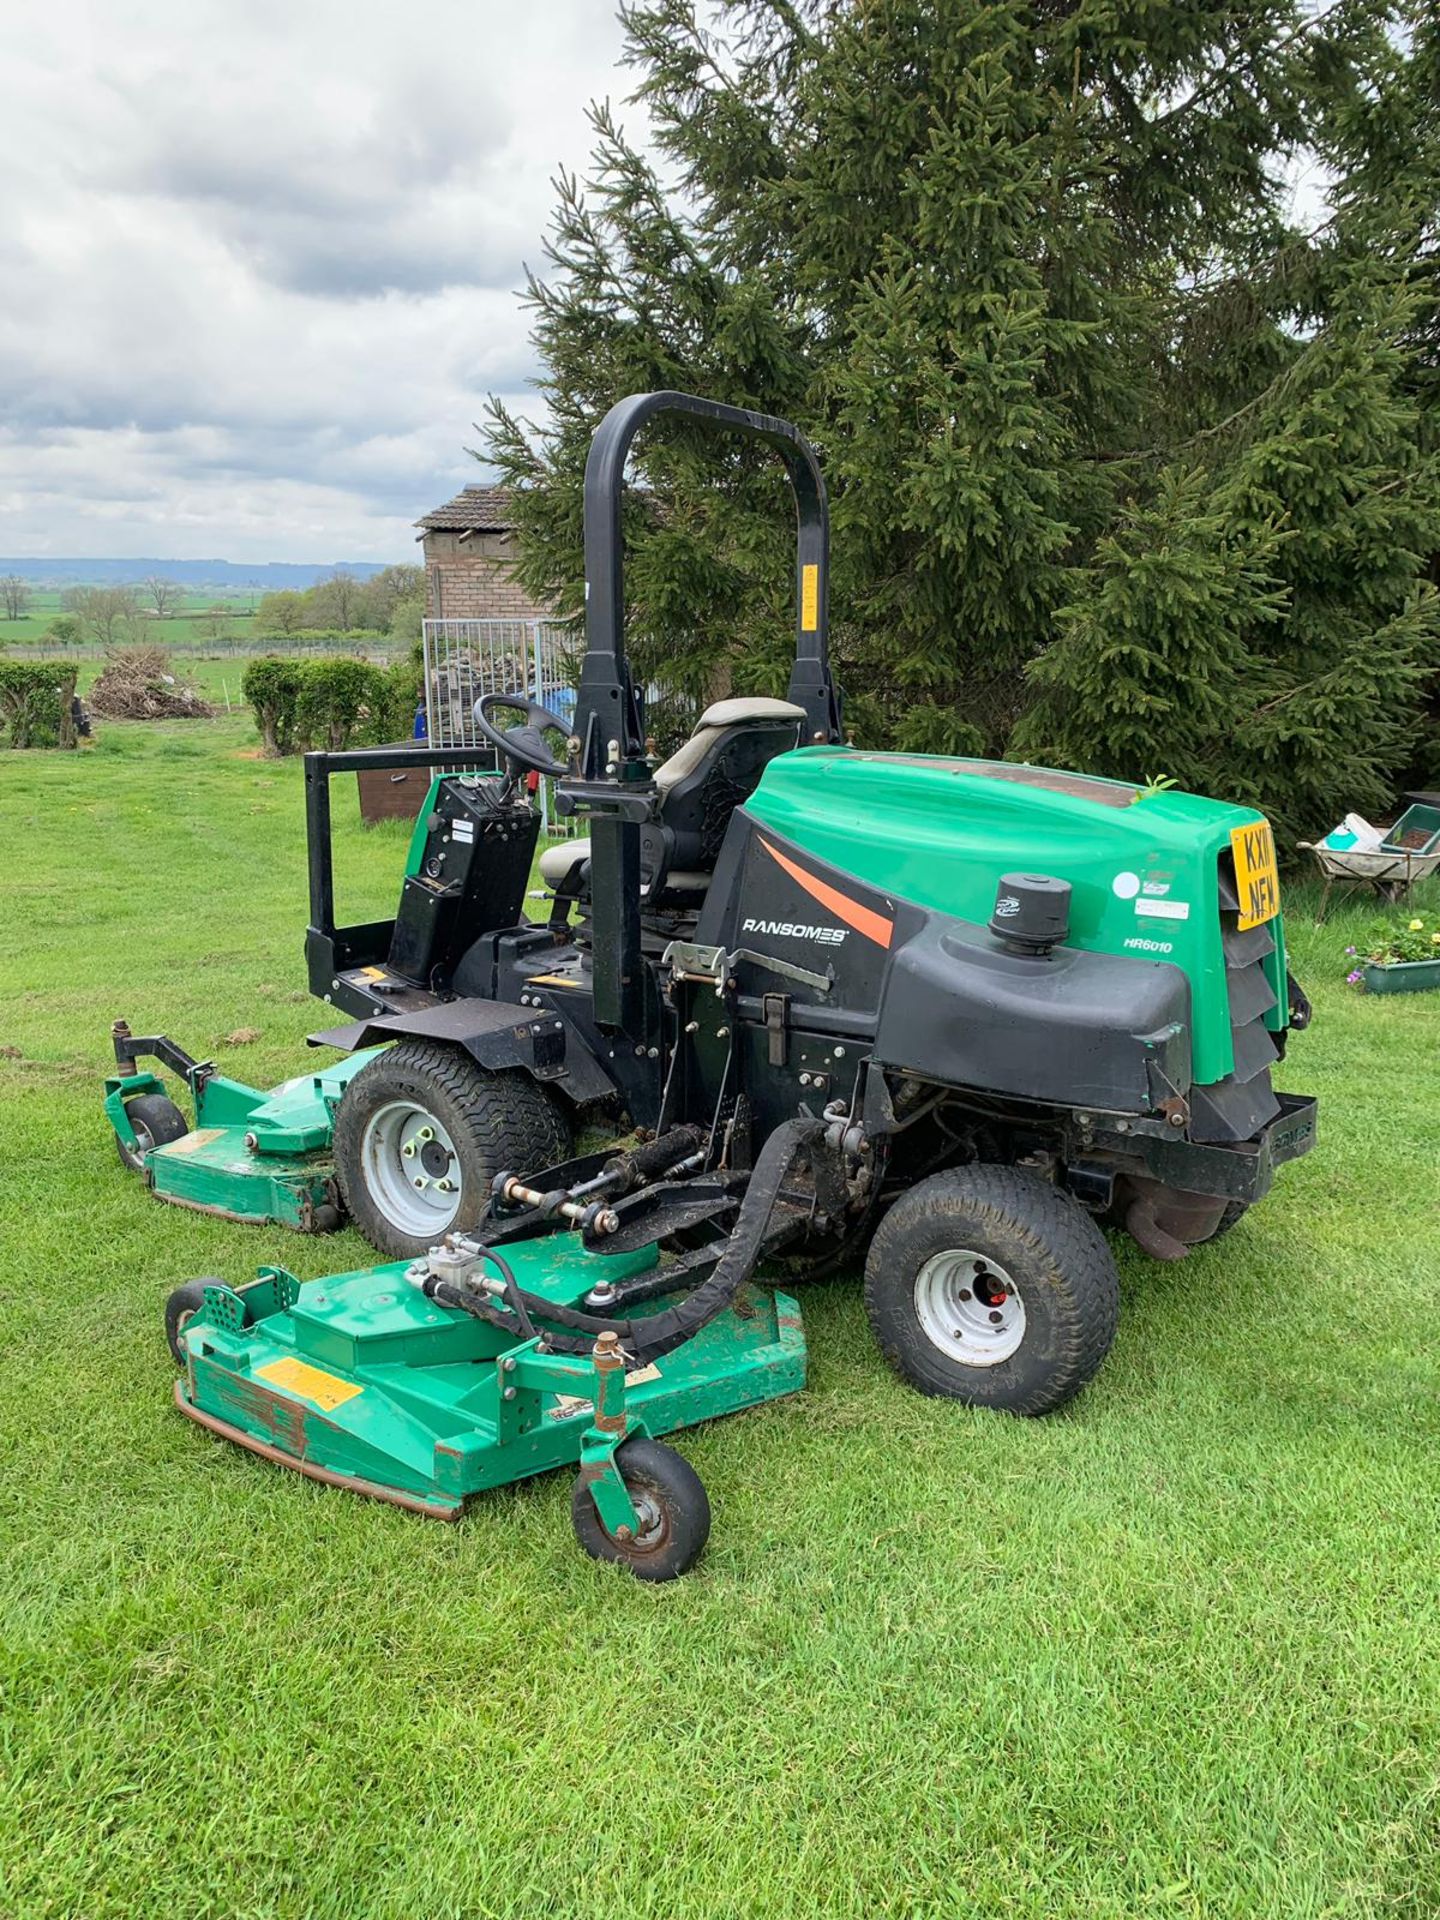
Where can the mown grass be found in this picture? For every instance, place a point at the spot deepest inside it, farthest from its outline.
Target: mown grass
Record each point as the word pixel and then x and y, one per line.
pixel 1173 1651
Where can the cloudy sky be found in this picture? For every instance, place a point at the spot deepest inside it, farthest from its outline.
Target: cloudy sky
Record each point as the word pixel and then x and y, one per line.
pixel 259 261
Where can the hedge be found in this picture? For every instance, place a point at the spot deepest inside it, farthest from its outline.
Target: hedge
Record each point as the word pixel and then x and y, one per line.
pixel 36 704
pixel 300 704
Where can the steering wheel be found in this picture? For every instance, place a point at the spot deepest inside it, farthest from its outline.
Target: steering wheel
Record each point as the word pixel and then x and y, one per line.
pixel 523 745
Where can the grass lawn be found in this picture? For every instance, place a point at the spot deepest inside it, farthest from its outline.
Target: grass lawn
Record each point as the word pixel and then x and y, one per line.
pixel 1173 1651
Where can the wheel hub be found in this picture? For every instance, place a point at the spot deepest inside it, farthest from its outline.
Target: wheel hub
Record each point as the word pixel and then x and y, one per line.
pixel 969 1308
pixel 411 1168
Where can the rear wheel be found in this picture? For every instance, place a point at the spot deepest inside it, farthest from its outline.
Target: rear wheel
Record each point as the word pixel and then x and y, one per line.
pixel 421 1134
pixel 987 1284
pixel 670 1503
pixel 156 1121
pixel 1234 1213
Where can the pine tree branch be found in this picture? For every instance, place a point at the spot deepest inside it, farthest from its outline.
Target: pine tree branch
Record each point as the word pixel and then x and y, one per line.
pixel 1227 74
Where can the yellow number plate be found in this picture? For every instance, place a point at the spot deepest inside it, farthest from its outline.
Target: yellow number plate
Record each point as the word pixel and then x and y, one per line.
pixel 1256 880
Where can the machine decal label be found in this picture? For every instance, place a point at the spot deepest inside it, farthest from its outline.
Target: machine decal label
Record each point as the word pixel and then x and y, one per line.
pixel 567 1405
pixel 192 1142
pixel 294 1376
pixel 372 973
pixel 864 920
pixel 1149 946
pixel 1163 909
pixel 809 599
pixel 798 930
pixel 1126 885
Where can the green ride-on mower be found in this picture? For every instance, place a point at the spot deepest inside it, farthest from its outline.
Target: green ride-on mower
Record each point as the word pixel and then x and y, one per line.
pixel 968 1014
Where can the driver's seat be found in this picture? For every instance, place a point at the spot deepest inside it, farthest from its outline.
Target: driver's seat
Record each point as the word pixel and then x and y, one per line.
pixel 700 786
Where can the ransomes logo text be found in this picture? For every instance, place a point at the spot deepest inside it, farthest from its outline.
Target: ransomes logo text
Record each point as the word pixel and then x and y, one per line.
pixel 797 930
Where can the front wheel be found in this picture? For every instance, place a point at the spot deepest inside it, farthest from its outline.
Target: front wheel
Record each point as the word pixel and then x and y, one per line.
pixel 986 1284
pixel 670 1503
pixel 155 1121
pixel 181 1308
pixel 420 1135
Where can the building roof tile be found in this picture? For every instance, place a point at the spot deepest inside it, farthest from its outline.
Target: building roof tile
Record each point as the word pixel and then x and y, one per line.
pixel 473 510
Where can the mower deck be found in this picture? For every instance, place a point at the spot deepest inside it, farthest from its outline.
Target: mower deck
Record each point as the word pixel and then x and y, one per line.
pixel 254 1155
pixel 364 1382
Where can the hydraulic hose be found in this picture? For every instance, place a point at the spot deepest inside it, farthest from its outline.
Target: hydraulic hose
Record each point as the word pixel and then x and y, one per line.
pixel 653 1335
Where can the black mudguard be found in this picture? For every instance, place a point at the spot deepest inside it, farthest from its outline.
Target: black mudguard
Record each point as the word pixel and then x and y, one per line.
pixel 494 1034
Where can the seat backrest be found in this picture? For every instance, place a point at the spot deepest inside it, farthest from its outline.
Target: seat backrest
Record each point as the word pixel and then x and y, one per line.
pixel 717 769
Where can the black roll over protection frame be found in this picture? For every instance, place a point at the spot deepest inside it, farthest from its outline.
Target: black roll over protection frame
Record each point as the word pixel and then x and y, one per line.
pixel 610 778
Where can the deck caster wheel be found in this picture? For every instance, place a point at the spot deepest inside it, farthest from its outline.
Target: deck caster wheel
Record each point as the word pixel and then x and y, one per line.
pixel 180 1309
pixel 672 1507
pixel 156 1121
pixel 989 1285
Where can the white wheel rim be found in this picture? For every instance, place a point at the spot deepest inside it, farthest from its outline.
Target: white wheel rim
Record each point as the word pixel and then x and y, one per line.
pixel 411 1168
pixel 969 1308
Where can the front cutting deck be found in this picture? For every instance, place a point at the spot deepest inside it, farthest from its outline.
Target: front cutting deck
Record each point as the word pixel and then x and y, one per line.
pixel 362 1381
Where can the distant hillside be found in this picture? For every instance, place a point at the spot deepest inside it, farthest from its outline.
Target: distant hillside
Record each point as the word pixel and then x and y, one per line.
pixel 233 575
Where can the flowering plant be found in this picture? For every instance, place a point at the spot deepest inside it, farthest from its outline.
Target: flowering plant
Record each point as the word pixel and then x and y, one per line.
pixel 1388 943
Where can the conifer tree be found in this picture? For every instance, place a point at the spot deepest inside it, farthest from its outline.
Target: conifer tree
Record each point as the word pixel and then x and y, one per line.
pixel 1093 417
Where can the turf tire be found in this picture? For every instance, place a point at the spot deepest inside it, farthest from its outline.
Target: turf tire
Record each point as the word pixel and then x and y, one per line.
pixel 674 1493
pixel 498 1122
pixel 157 1121
pixel 1055 1256
pixel 1232 1216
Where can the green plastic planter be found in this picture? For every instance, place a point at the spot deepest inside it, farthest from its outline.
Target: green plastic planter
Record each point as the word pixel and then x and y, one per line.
pixel 1402 976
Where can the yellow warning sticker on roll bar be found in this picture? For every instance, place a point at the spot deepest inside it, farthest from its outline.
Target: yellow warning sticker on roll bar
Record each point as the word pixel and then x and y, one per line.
pixel 809 599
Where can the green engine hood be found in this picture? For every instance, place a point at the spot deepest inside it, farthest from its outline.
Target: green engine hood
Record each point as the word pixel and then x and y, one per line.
pixel 1144 864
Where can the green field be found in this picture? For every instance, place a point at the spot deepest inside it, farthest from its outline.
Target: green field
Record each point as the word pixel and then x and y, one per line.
pixel 1173 1651
pixel 184 629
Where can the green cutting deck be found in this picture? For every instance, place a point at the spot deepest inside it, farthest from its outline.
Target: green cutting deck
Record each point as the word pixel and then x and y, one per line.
pixel 361 1380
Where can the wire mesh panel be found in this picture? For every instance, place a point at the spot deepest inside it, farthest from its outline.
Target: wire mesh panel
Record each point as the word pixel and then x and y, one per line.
pixel 539 659
pixel 465 659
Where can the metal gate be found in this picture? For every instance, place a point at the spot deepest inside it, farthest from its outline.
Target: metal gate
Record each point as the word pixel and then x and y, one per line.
pixel 467 658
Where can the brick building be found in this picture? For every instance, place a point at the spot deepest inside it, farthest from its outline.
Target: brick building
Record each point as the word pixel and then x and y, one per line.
pixel 469 546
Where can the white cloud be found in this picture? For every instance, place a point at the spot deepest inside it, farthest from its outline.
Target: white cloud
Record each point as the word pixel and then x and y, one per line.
pixel 259 261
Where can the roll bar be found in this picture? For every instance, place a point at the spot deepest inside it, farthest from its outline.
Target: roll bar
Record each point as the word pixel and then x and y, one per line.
pixel 607 708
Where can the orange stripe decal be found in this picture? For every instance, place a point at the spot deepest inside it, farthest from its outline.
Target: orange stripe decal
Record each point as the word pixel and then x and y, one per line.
pixel 874 926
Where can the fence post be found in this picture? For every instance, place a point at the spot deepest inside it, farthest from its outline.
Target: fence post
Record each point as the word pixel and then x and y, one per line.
pixel 537 668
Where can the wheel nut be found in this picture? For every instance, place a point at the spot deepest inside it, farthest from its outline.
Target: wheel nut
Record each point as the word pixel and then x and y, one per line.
pixel 997 1318
pixel 965 1294
pixel 408 1149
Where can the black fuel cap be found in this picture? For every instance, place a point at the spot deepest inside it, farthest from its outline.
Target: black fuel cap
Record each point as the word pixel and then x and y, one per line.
pixel 1032 911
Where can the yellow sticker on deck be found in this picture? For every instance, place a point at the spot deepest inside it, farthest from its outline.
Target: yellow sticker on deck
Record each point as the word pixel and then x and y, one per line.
pixel 310 1383
pixel 192 1142
pixel 1256 881
pixel 809 599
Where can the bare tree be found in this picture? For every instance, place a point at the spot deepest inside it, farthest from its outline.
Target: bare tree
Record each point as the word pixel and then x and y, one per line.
pixel 165 596
pixel 15 593
pixel 108 614
pixel 215 621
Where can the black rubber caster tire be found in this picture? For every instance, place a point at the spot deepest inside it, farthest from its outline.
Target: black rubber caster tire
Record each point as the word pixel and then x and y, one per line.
pixel 1232 1216
pixel 157 1121
pixel 182 1305
pixel 1032 1244
pixel 496 1122
pixel 667 1490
